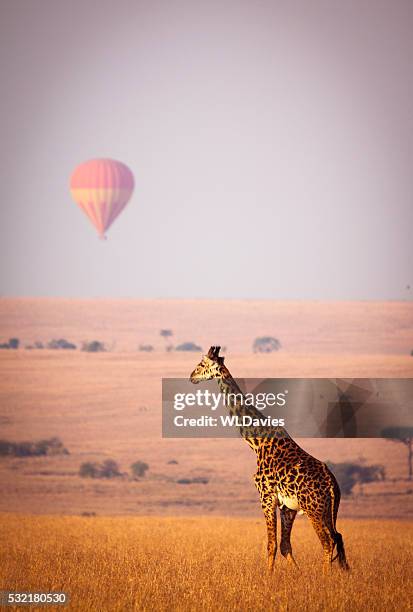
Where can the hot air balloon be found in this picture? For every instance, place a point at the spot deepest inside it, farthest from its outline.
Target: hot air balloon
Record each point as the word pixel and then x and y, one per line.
pixel 102 188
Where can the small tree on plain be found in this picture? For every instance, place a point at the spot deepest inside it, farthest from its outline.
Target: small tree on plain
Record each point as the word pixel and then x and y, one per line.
pixel 189 346
pixel 61 344
pixel 405 436
pixel 266 344
pixel 95 346
pixel 139 469
pixel 166 334
pixel 349 474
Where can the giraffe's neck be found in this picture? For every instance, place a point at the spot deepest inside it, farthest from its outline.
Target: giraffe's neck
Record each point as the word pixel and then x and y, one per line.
pixel 237 406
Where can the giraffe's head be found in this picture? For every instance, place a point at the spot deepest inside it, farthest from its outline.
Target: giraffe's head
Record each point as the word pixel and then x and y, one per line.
pixel 211 366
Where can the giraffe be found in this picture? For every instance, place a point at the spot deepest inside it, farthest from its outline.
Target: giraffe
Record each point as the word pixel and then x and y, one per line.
pixel 287 477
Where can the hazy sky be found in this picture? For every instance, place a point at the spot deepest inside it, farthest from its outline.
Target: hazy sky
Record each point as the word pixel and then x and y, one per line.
pixel 271 142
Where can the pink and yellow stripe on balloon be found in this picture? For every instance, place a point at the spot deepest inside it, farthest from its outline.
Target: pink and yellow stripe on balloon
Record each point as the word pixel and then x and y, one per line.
pixel 102 188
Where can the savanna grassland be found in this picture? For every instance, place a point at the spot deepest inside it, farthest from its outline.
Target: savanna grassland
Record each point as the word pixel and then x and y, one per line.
pixel 156 544
pixel 126 563
pixel 108 405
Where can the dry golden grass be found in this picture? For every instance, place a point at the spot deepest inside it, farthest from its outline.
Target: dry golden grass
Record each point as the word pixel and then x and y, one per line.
pixel 202 564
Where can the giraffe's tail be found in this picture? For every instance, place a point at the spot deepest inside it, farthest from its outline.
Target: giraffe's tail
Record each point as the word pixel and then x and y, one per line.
pixel 341 553
pixel 337 537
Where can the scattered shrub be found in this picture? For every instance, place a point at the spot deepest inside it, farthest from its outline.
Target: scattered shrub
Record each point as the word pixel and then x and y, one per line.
pixel 147 348
pixel 108 469
pixel 6 448
pixel 266 344
pixel 50 446
pixel 200 480
pixel 173 462
pixel 89 470
pixel 38 345
pixel 27 449
pixel 35 345
pixel 61 343
pixel 188 346
pixel 13 343
pixel 196 480
pixel 139 469
pixel 93 347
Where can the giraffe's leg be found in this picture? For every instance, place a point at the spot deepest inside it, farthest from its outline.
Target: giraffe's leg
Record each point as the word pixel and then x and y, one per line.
pixel 269 507
pixel 326 539
pixel 287 520
pixel 270 513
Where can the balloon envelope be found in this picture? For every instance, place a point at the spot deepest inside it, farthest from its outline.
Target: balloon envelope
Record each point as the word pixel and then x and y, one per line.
pixel 102 188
